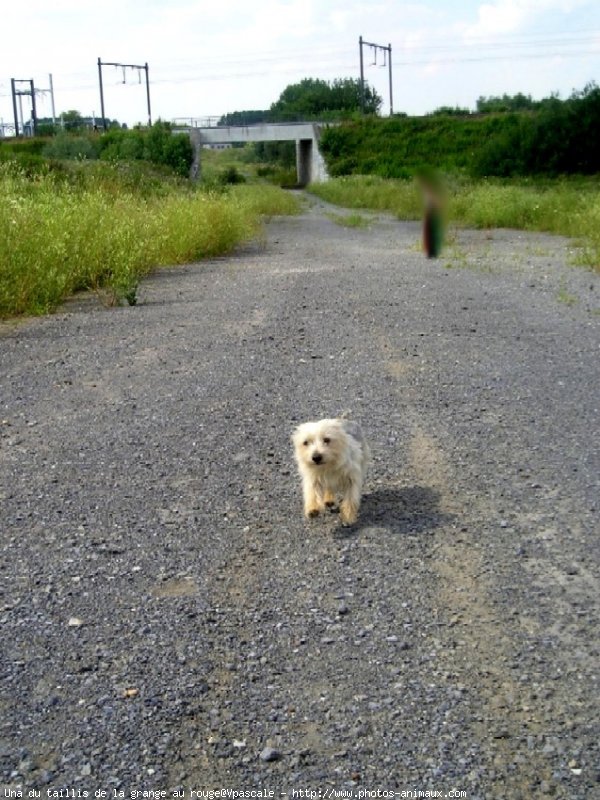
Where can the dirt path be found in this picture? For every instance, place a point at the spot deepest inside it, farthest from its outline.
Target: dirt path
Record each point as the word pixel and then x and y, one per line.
pixel 168 618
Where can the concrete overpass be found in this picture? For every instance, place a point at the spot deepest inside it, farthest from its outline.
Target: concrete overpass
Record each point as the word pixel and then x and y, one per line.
pixel 310 165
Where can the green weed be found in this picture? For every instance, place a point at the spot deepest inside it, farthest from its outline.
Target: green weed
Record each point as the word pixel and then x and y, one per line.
pixel 59 236
pixel 350 220
pixel 564 296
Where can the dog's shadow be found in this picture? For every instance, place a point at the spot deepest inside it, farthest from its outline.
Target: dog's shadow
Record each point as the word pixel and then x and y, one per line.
pixel 406 510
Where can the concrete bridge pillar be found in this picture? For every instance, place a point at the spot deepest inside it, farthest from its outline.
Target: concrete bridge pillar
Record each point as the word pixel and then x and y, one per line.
pixel 303 161
pixel 310 165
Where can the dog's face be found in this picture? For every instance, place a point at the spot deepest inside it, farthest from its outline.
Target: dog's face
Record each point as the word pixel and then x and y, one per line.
pixel 319 444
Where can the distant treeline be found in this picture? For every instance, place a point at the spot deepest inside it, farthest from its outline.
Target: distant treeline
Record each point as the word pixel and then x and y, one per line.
pixel 550 137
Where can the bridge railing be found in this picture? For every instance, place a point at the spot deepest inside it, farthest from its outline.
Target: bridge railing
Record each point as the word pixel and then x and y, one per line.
pixel 237 120
pixel 195 122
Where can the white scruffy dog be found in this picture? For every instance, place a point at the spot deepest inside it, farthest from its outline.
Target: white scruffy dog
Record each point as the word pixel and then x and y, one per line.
pixel 332 457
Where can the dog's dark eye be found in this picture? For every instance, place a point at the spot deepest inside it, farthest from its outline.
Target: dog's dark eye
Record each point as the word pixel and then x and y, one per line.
pixel 326 440
pixel 306 443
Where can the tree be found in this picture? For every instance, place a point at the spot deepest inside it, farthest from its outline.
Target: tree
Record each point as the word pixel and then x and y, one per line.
pixel 517 102
pixel 72 120
pixel 244 118
pixel 314 98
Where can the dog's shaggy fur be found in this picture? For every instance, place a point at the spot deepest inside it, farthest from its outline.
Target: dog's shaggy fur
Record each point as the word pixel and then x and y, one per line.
pixel 332 457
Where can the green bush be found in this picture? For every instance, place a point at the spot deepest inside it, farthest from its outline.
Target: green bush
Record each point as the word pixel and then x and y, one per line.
pixel 230 175
pixel 158 145
pixel 65 146
pixel 122 145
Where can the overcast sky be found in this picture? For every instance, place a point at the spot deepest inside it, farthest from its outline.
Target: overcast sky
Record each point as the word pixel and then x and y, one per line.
pixel 209 57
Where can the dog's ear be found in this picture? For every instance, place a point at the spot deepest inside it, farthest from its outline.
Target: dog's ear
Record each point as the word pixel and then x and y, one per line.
pixel 296 433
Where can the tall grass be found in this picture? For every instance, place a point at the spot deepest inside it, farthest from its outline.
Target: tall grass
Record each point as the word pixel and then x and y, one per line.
pixel 401 198
pixel 61 236
pixel 570 207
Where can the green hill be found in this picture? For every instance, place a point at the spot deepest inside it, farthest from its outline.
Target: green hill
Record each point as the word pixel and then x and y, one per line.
pixel 558 138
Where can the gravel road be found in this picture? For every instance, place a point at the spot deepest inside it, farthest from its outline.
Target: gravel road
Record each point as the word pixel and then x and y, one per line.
pixel 169 620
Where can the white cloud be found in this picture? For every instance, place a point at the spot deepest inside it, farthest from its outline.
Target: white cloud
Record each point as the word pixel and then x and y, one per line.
pixel 505 16
pixel 511 16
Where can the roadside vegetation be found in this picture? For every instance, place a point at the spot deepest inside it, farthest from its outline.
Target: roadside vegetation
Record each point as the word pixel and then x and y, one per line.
pixel 515 164
pixel 105 226
pixel 84 210
pixel 567 206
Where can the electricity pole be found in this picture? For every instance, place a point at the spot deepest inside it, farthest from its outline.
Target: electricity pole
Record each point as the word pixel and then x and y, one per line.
pixel 16 92
pixel 52 100
pixel 139 67
pixel 50 91
pixel 387 55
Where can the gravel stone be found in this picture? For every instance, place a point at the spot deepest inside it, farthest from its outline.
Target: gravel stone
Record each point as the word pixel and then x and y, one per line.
pixel 162 599
pixel 270 754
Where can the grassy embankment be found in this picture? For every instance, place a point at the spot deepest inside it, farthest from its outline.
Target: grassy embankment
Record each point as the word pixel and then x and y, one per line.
pixel 570 207
pixel 105 227
pixel 533 170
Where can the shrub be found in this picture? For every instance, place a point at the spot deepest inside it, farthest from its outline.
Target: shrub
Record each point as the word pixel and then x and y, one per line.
pixel 230 175
pixel 65 146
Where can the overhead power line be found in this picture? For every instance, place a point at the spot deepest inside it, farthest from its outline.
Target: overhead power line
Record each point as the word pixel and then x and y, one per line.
pixel 465 59
pixel 342 59
pixel 140 68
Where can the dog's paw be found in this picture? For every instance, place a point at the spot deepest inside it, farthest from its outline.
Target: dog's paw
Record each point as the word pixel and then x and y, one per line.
pixel 311 513
pixel 348 513
pixel 332 506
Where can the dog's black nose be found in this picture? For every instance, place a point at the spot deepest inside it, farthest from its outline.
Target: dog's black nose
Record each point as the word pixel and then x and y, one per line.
pixel 317 458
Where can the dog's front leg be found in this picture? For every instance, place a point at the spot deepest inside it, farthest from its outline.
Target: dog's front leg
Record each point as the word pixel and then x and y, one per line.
pixel 350 504
pixel 312 500
pixel 329 499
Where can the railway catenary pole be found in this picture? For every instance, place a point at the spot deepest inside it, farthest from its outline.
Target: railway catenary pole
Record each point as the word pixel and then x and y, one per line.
pixel 124 67
pixel 387 53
